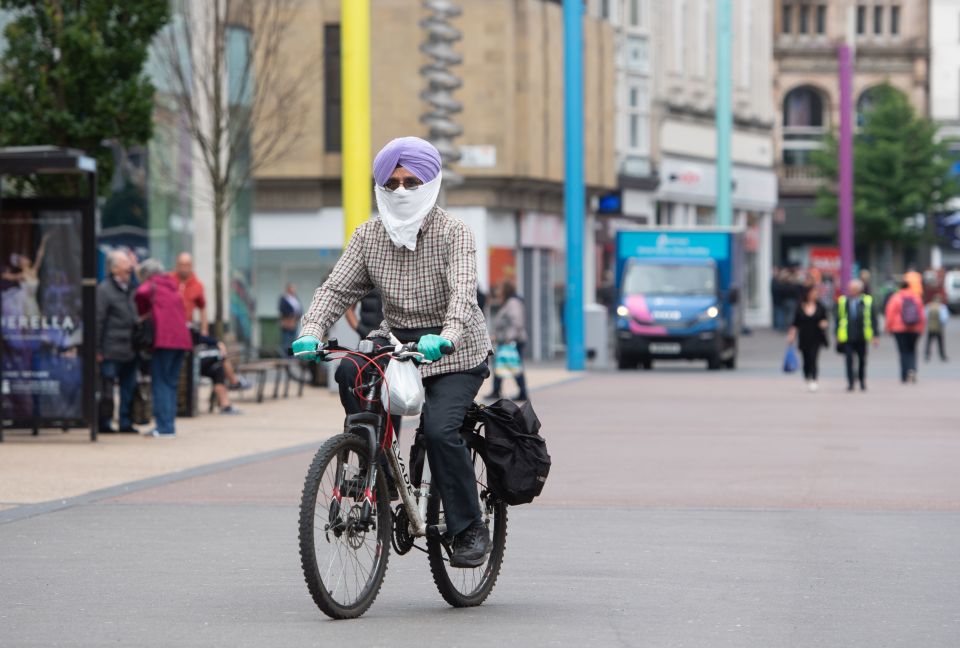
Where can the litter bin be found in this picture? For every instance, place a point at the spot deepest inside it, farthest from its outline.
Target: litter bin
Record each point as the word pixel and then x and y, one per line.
pixel 597 337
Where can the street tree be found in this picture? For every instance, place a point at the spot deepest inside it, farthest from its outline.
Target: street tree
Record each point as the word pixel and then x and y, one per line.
pixel 72 75
pixel 241 100
pixel 901 172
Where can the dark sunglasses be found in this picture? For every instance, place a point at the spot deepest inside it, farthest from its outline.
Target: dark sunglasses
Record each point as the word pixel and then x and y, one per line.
pixel 408 183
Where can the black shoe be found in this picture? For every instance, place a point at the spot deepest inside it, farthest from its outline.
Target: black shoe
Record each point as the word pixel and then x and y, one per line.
pixel 849 388
pixel 863 386
pixel 129 430
pixel 471 546
pixel 522 397
pixel 492 397
pixel 106 429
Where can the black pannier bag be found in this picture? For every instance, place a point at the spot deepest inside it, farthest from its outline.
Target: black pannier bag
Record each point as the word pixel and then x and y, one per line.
pixel 515 453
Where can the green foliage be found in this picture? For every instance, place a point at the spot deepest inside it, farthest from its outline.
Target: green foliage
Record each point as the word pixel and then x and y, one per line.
pixel 899 168
pixel 72 74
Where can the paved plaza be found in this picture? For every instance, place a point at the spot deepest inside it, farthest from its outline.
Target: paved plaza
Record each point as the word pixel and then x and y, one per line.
pixel 685 508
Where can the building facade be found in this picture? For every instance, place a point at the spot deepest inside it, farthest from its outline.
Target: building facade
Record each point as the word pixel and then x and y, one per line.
pixel 945 110
pixel 512 145
pixel 891 44
pixel 666 135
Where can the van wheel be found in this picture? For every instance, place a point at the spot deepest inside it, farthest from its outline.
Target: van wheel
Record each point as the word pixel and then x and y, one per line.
pixel 626 362
pixel 713 363
pixel 647 364
pixel 731 363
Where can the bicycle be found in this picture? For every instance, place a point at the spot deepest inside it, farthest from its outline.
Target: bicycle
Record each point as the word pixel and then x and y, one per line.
pixel 347 525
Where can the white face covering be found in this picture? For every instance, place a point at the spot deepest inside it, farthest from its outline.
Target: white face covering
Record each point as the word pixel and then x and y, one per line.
pixel 403 211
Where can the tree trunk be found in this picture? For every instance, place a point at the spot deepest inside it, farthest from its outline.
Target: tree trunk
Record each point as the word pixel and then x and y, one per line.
pixel 219 220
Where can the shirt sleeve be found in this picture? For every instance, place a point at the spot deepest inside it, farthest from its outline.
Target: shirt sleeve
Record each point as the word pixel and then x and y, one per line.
pixel 347 283
pixel 462 281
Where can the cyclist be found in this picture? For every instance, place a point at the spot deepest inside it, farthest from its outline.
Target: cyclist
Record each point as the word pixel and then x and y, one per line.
pixel 423 262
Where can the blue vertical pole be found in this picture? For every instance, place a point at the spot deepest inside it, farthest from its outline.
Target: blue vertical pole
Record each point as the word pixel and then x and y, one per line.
pixel 724 114
pixel 574 199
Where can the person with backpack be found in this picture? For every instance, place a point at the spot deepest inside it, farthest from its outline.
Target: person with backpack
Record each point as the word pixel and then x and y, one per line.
pixel 856 328
pixel 937 317
pixel 906 318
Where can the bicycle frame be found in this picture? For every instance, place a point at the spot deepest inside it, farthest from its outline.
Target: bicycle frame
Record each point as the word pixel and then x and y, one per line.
pixel 371 424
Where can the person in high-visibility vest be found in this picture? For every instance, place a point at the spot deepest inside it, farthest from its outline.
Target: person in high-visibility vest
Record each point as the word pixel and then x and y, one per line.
pixel 856 328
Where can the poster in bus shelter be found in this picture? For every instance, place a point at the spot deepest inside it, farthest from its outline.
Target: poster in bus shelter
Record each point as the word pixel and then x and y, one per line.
pixel 41 374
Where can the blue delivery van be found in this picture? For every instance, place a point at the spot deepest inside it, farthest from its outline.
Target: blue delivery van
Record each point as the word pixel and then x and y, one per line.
pixel 678 296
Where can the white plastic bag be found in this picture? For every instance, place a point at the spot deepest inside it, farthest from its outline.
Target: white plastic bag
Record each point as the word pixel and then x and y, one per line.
pixel 406 387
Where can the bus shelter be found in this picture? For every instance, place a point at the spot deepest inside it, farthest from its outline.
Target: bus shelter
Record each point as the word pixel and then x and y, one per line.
pixel 48 289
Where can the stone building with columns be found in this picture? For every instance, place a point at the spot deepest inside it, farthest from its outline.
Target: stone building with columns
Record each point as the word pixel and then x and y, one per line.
pixel 891 45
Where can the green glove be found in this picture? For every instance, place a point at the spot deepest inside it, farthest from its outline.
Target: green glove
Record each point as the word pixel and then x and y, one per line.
pixel 306 343
pixel 430 345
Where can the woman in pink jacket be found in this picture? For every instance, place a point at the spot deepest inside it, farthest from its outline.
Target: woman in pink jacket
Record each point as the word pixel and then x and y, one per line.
pixel 905 318
pixel 158 299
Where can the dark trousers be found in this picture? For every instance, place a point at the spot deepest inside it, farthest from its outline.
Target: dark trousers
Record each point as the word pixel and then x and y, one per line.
pixel 520 378
pixel 907 348
pixel 931 336
pixel 164 376
pixel 113 372
pixel 447 398
pixel 856 349
pixel 810 355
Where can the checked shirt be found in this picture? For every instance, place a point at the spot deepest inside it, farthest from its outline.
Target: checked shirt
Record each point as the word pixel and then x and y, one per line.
pixel 432 286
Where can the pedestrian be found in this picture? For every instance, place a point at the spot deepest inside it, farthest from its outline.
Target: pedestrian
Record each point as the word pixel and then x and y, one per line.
pixel 937 317
pixel 906 318
pixel 159 302
pixel 509 327
pixel 213 365
pixel 290 313
pixel 790 297
pixel 191 292
pixel 809 332
pixel 116 357
pixel 856 328
pixel 423 261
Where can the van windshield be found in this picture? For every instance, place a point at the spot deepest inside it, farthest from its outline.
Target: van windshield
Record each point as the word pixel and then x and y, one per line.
pixel 642 279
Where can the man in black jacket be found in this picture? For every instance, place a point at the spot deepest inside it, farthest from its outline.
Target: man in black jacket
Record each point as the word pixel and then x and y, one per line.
pixel 116 318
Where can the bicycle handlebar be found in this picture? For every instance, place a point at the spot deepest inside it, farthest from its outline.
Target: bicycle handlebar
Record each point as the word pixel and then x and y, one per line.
pixel 401 351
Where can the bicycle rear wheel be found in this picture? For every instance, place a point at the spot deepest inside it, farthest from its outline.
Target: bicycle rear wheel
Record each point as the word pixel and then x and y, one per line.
pixel 465 587
pixel 344 556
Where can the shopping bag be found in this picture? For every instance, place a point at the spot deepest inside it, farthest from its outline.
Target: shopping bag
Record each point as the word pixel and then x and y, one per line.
pixel 790 363
pixel 506 361
pixel 405 388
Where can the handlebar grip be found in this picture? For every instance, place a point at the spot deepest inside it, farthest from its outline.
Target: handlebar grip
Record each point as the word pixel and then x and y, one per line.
pixel 448 350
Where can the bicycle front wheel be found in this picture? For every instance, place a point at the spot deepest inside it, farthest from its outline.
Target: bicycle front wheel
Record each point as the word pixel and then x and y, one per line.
pixel 466 587
pixel 344 537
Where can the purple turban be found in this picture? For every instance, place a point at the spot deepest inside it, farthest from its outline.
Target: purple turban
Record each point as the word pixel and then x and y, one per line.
pixel 416 155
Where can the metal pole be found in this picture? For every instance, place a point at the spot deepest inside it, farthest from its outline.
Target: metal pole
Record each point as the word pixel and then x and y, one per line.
pixel 574 194
pixel 724 115
pixel 355 90
pixel 845 186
